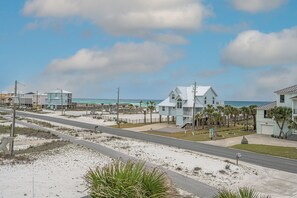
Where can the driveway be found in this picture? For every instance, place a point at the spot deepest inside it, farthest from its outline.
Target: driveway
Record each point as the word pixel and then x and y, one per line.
pixel 253 139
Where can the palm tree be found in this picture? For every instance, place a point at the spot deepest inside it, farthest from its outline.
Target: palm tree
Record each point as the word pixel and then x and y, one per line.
pixel 140 103
pixel 221 111
pixel 200 116
pixel 151 105
pixel 235 112
pixel 208 112
pixel 130 107
pixel 217 118
pixel 246 112
pixel 253 112
pixel 281 115
pixel 227 111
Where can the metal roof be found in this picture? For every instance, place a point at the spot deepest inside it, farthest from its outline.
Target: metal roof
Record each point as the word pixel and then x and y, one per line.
pixel 292 89
pixel 267 106
pixel 59 91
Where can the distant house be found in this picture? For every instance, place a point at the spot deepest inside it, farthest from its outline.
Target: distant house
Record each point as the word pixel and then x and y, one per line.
pixel 31 99
pixel 284 98
pixel 179 103
pixel 58 99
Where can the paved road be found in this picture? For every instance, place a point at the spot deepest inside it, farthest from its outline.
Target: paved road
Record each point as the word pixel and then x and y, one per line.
pixel 190 185
pixel 288 165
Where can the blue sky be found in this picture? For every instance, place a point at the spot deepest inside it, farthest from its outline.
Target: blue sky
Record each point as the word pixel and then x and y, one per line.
pixel 244 49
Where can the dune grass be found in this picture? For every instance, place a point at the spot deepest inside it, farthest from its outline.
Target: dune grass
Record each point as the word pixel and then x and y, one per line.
pixel 287 152
pixel 127 180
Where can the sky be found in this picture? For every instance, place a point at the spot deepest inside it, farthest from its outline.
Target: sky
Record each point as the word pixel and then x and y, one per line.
pixel 245 50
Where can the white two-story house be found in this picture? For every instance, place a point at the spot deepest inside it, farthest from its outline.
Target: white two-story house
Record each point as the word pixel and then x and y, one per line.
pixel 59 99
pixel 284 98
pixel 180 102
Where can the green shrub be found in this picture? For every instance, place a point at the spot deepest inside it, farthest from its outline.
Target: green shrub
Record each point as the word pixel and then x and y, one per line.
pixel 127 180
pixel 242 193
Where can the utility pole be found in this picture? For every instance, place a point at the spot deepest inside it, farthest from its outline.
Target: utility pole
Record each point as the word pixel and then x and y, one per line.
pixel 62 101
pixel 118 104
pixel 193 119
pixel 12 131
pixel 37 100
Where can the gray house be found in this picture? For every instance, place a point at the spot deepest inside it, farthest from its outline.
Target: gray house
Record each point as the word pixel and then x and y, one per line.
pixel 179 104
pixel 58 99
pixel 284 98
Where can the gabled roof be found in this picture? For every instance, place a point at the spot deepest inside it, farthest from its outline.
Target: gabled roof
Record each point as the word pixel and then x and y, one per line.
pixel 187 95
pixel 292 89
pixel 166 103
pixel 267 106
pixel 59 91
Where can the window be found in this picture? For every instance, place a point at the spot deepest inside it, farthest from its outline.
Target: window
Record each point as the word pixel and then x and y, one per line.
pixel 282 98
pixel 205 100
pixel 163 108
pixel 173 96
pixel 213 100
pixel 267 114
pixel 179 104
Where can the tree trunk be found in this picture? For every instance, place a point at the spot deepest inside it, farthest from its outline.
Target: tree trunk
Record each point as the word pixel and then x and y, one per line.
pixel 151 116
pixel 144 113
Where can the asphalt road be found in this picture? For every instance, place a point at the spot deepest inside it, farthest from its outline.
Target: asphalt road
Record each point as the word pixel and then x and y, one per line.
pixel 288 165
pixel 183 182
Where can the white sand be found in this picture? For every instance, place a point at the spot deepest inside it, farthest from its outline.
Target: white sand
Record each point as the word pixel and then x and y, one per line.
pixel 57 173
pixel 213 170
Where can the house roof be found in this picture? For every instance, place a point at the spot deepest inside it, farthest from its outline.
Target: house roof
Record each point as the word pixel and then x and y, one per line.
pixel 187 95
pixel 166 103
pixel 59 91
pixel 267 106
pixel 294 98
pixel 292 89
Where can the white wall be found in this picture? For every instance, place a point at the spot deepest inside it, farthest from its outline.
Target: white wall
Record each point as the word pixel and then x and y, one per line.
pixel 287 102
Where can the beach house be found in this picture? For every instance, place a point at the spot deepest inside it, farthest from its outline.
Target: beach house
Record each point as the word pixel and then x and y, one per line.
pixel 31 99
pixel 286 97
pixel 180 102
pixel 58 99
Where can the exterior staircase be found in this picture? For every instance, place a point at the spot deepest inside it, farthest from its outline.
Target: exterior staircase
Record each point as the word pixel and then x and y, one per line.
pixel 187 122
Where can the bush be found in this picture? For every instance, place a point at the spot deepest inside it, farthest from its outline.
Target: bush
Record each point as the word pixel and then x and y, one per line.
pixel 242 193
pixel 127 180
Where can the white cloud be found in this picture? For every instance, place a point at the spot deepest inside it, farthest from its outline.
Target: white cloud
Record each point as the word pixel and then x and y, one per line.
pixel 170 39
pixel 254 6
pixel 126 16
pixel 261 85
pixel 95 66
pixel 253 49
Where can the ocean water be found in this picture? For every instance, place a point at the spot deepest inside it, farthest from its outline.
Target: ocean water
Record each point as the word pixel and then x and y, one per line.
pixel 144 102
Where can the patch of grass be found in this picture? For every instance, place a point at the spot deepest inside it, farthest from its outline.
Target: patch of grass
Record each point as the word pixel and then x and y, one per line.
pixel 41 123
pixel 203 135
pixel 44 147
pixel 287 152
pixel 28 132
pixel 128 125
